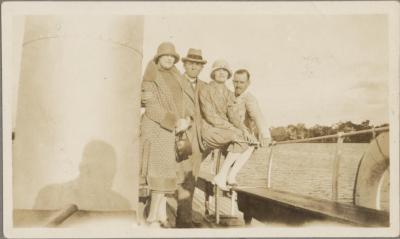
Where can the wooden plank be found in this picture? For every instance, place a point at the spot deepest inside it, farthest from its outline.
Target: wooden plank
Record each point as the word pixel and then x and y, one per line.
pixel 335 210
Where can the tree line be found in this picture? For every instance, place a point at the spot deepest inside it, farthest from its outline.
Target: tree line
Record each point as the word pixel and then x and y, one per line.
pixel 300 131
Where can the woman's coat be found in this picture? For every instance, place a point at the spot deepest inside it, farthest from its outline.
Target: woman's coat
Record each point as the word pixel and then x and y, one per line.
pixel 157 130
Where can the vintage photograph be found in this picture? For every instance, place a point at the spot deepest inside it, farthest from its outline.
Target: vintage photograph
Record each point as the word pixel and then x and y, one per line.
pixel 188 120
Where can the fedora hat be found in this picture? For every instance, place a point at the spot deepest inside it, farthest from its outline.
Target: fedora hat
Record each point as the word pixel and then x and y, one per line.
pixel 220 64
pixel 166 48
pixel 195 56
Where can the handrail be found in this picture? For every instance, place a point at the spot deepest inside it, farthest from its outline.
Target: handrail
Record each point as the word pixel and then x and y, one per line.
pixel 337 157
pixel 332 136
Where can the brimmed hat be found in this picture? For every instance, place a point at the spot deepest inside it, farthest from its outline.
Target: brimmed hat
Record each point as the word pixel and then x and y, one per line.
pixel 195 56
pixel 166 48
pixel 220 64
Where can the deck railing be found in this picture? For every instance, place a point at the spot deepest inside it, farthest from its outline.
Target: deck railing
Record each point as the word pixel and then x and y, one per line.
pixel 216 155
pixel 337 158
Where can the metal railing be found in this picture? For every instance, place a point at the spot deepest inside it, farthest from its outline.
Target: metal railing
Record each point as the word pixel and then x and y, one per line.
pixel 216 155
pixel 337 158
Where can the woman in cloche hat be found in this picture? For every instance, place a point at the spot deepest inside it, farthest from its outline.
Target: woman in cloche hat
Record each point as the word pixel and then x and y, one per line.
pixel 163 118
pixel 218 131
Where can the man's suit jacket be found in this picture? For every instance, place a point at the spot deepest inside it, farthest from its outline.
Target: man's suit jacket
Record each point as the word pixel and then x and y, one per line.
pixel 245 113
pixel 192 107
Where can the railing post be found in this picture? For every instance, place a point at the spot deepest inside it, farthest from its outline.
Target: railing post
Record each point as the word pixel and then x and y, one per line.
pixel 233 203
pixel 336 165
pixel 269 167
pixel 217 157
pixel 373 133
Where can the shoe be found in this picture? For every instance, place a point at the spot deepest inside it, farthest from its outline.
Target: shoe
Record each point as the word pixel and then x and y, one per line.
pixel 197 224
pixel 232 183
pixel 154 224
pixel 220 183
pixel 184 225
pixel 165 224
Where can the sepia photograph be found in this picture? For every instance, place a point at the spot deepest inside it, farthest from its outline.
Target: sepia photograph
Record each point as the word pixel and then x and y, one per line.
pixel 200 119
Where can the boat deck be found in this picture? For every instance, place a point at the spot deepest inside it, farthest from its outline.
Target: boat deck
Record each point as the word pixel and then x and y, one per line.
pixel 271 206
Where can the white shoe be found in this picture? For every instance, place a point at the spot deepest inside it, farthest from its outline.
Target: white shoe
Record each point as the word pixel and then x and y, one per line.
pixel 154 224
pixel 221 183
pixel 232 183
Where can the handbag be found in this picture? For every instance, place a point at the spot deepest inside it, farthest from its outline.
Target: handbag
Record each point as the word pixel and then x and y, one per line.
pixel 183 146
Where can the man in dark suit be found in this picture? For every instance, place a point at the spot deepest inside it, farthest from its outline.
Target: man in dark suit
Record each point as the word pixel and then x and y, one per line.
pixel 188 169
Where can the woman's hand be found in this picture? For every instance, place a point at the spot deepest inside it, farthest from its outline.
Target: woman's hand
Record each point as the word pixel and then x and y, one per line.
pixel 182 125
pixel 146 96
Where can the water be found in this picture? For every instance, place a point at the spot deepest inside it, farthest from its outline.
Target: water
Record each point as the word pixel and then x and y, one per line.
pixel 304 168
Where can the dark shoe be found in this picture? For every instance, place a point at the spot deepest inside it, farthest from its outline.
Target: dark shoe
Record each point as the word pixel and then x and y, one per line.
pixel 184 225
pixel 196 224
pixel 233 184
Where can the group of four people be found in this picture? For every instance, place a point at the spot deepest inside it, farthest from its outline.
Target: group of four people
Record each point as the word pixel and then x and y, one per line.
pixel 208 115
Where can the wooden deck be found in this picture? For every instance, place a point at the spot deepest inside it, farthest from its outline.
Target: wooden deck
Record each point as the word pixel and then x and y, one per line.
pixel 259 202
pixel 268 205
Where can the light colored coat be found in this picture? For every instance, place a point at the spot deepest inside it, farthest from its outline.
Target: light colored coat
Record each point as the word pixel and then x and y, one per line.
pixel 245 113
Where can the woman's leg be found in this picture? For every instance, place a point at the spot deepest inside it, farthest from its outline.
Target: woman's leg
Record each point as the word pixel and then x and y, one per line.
pixel 156 198
pixel 240 161
pixel 162 211
pixel 221 177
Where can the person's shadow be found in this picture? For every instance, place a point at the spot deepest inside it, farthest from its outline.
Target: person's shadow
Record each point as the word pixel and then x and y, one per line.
pixel 92 189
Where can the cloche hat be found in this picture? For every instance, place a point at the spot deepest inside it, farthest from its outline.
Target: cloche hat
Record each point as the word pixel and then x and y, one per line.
pixel 220 64
pixel 166 48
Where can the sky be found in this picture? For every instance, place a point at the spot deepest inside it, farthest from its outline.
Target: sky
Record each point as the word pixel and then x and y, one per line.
pixel 312 69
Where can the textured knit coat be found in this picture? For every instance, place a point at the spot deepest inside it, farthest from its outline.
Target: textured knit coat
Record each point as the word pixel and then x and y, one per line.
pixel 217 130
pixel 162 111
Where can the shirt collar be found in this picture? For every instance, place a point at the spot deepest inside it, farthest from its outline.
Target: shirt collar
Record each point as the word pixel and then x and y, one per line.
pixel 191 80
pixel 243 94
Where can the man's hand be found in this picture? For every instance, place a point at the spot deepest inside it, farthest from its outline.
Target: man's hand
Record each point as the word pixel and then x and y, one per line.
pixel 249 137
pixel 182 125
pixel 146 96
pixel 266 142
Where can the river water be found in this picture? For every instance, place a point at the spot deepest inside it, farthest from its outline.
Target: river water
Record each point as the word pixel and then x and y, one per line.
pixel 305 168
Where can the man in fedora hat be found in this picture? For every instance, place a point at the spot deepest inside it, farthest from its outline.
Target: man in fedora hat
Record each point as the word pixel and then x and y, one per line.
pixel 188 170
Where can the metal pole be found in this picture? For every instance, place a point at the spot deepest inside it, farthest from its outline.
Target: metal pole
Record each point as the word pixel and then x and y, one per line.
pixel 376 130
pixel 233 205
pixel 217 157
pixel 269 167
pixel 336 164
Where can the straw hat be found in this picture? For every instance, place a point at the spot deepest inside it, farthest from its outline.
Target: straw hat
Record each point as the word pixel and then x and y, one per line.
pixel 166 48
pixel 194 55
pixel 220 64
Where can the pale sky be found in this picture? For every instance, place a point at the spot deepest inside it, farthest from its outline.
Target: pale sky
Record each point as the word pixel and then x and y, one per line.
pixel 313 69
